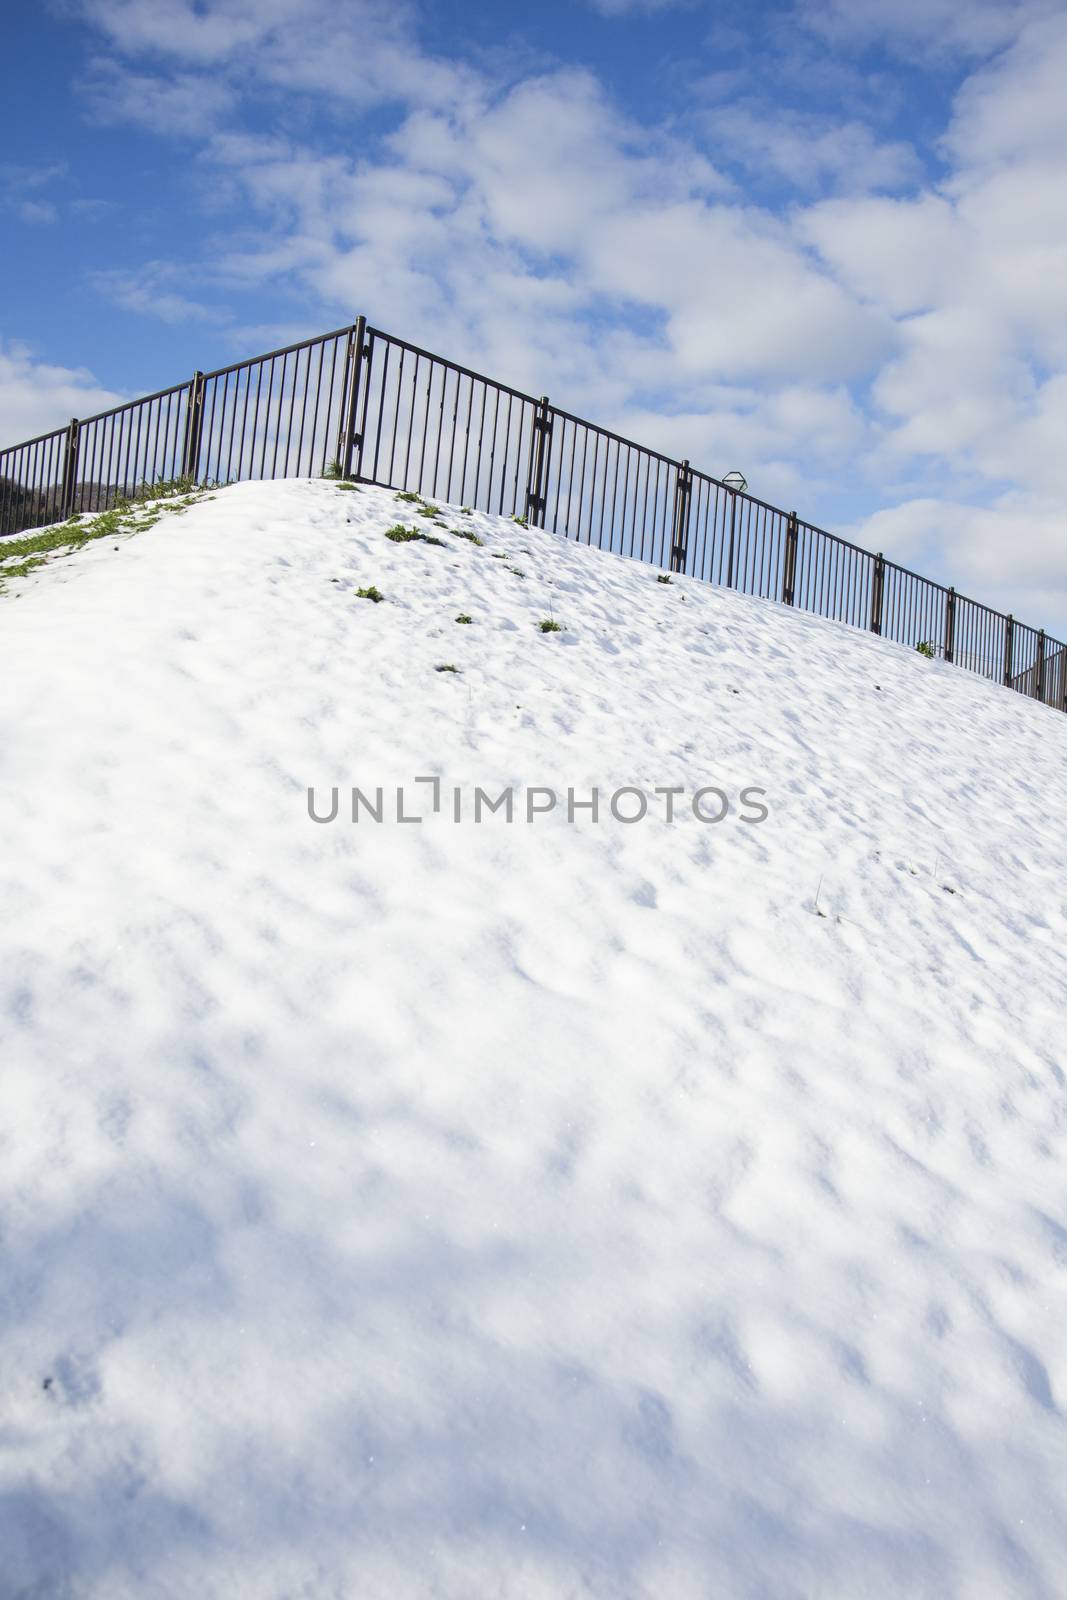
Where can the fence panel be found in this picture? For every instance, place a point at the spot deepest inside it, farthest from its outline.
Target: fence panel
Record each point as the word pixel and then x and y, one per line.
pixel 833 578
pixel 708 524
pixel 277 416
pixel 1056 676
pixel 31 482
pixel 736 540
pixel 440 430
pixel 913 609
pixel 1037 665
pixel 979 639
pixel 758 566
pixel 604 490
pixel 125 449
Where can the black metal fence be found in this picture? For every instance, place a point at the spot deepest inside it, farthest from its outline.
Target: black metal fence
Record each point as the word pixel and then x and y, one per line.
pixel 386 412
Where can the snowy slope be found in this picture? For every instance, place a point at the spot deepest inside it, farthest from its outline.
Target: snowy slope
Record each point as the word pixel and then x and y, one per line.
pixel 519 1210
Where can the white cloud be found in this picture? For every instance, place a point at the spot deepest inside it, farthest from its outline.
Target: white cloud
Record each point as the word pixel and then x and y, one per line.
pixel 36 397
pixel 20 194
pixel 1015 109
pixel 1012 548
pixel 150 292
pixel 629 8
pixel 550 205
pixel 363 52
pixel 808 150
pixel 905 255
pixel 944 27
pixel 206 34
pixel 552 157
pixel 19 190
pixel 20 179
pixel 955 384
pixel 739 299
pixel 186 104
pixel 36 211
pixel 974 273
pixel 978 275
pixel 93 210
pixel 796 437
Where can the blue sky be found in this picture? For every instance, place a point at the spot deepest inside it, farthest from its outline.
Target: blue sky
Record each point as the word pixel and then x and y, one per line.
pixel 821 240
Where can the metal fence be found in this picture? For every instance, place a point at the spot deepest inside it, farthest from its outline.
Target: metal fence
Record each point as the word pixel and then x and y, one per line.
pixel 383 411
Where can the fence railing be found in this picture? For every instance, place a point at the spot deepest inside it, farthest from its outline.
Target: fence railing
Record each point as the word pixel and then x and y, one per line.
pixel 387 412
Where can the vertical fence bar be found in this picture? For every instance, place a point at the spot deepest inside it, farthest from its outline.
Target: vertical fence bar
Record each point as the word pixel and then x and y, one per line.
pixel 950 626
pixel 683 494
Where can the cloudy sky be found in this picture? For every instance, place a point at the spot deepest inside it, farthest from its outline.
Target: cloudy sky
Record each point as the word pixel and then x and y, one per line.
pixel 821 241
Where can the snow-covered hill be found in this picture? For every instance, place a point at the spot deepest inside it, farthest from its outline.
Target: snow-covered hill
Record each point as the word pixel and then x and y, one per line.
pixel 529 1209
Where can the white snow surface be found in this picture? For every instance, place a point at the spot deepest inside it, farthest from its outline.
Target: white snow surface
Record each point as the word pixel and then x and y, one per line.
pixel 515 1210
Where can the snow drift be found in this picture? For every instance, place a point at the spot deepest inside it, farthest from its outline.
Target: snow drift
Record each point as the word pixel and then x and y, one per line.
pixel 530 1209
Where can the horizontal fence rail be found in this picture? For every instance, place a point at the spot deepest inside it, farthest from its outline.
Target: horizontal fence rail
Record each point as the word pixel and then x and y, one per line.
pixel 361 403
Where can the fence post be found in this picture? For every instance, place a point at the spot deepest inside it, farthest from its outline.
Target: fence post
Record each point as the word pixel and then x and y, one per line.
pixel 683 490
pixel 194 426
pixel 1039 666
pixel 537 475
pixel 789 577
pixel 348 440
pixel 70 467
pixel 730 551
pixel 346 373
pixel 950 625
pixel 1009 648
pixel 877 592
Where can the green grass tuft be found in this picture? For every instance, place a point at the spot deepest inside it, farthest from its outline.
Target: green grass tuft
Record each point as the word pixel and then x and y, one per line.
pixel 463 617
pixel 130 514
pixel 370 593
pixel 401 535
pixel 550 625
pixel 446 666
